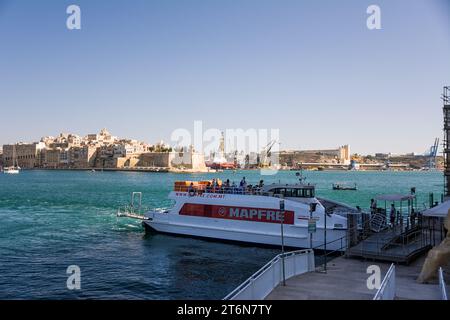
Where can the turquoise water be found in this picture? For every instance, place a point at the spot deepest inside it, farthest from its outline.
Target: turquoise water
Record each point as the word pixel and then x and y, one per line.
pixel 53 219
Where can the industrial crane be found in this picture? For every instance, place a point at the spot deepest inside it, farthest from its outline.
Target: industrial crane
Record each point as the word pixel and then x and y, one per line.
pixel 266 153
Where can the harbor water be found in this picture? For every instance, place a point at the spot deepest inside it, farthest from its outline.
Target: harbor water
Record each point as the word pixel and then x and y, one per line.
pixel 53 219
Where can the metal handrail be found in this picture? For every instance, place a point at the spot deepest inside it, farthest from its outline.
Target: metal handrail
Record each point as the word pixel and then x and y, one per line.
pixel 442 284
pixel 332 252
pixel 130 209
pixel 387 283
pixel 258 273
pixel 419 236
pixel 219 190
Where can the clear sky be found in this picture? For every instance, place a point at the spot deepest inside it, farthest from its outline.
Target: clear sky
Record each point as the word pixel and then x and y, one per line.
pixel 143 68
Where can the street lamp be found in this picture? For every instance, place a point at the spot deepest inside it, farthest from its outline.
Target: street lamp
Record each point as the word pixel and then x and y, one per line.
pixel 282 239
pixel 312 208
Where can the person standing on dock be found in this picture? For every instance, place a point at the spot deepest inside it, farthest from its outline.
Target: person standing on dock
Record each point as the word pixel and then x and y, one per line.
pixel 399 219
pixel 392 215
pixel 412 218
pixel 373 206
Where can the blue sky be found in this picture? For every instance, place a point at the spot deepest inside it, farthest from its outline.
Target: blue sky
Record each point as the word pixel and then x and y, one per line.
pixel 145 68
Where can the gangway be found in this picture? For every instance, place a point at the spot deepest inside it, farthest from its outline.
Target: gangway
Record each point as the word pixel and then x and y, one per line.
pixel 133 210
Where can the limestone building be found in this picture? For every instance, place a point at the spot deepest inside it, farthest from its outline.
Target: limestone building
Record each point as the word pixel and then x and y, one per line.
pixel 28 155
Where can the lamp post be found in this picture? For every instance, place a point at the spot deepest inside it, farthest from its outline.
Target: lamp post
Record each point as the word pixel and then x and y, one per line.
pixel 325 239
pixel 282 240
pixel 312 208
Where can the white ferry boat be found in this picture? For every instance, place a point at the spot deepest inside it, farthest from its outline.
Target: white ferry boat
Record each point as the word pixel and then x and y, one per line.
pixel 253 215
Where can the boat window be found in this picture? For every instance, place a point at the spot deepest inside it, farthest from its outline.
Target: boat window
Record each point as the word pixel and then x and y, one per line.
pixel 294 192
pixel 305 193
pixel 288 193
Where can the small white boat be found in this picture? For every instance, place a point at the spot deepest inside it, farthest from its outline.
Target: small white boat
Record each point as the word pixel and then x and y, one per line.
pixel 14 169
pixel 11 170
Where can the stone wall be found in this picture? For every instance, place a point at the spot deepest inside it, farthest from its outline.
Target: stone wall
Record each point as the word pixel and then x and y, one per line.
pixel 187 160
pixel 154 159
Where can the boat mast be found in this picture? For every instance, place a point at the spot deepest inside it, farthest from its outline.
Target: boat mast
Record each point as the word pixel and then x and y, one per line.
pixel 14 163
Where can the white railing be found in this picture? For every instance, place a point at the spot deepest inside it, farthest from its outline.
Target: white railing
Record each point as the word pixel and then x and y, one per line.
pixel 262 282
pixel 442 284
pixel 387 288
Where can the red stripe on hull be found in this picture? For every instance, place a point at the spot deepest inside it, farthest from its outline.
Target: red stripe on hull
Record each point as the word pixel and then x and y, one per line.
pixel 237 213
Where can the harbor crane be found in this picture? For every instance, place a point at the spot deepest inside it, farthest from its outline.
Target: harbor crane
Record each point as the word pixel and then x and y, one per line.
pixel 266 153
pixel 432 154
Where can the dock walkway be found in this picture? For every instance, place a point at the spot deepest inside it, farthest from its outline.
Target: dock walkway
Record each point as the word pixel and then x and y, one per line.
pixel 393 245
pixel 346 280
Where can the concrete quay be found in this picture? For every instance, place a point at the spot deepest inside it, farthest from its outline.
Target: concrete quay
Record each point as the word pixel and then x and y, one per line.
pixel 346 279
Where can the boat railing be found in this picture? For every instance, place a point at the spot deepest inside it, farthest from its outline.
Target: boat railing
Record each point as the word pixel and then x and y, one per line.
pixel 387 290
pixel 132 212
pixel 220 190
pixel 442 285
pixel 134 209
pixel 262 282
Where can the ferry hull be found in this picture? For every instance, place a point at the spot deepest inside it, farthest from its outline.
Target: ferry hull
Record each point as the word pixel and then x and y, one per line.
pixel 300 240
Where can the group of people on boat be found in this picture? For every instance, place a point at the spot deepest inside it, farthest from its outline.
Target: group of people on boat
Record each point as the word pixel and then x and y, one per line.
pixel 229 187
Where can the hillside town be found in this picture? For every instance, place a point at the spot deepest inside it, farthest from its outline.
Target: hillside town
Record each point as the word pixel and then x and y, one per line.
pixel 104 151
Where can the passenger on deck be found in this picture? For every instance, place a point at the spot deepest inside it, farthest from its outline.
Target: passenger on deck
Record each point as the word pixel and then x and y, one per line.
pixel 191 189
pixel 208 187
pixel 392 215
pixel 215 186
pixel 243 185
pixel 227 186
pixel 261 184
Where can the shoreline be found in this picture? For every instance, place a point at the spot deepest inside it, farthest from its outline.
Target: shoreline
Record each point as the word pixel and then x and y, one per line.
pixel 190 171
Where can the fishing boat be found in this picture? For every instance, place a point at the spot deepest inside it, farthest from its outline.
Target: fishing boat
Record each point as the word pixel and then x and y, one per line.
pixel 14 169
pixel 341 186
pixel 250 214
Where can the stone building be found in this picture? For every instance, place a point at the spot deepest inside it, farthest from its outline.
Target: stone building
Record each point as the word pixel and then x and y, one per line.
pixel 82 157
pixel 28 155
pixel 104 137
pixel 55 158
pixel 121 154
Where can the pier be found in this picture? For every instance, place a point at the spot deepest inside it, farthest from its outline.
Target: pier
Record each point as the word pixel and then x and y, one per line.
pixel 346 279
pixel 394 245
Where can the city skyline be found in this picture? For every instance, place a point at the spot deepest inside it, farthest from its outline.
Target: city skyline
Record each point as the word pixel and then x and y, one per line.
pixel 253 64
pixel 169 144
